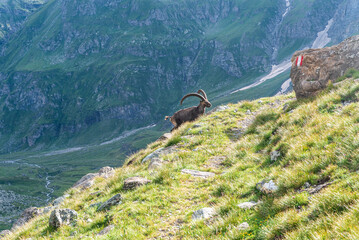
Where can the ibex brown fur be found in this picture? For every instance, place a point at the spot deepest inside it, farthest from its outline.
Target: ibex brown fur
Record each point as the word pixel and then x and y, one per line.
pixel 192 113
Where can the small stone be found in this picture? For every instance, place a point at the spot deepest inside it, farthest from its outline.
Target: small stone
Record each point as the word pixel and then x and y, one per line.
pixel 59 217
pixel 306 185
pixel 115 200
pixel 134 182
pixel 203 213
pixel 247 205
pixel 197 125
pixel 243 226
pixel 267 188
pixel 89 220
pixel 196 173
pixel 5 233
pixel 106 230
pixel 248 112
pixel 274 156
pixel 260 101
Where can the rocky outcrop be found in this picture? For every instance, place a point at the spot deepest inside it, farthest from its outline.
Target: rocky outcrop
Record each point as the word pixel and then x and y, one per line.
pixel 60 217
pixel 26 216
pixel 319 66
pixel 134 182
pixel 88 180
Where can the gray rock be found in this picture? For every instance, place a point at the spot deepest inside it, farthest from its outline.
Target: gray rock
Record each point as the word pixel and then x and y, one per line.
pixel 47 209
pixel 58 201
pixel 248 112
pixel 88 180
pixel 106 230
pixel 134 182
pixel 197 125
pixel 26 216
pixel 203 213
pixel 243 226
pixel 5 233
pixel 155 164
pixel 274 156
pixel 155 157
pixel 115 200
pixel 200 174
pixel 152 155
pixel 267 187
pixel 247 205
pixel 306 185
pixel 59 217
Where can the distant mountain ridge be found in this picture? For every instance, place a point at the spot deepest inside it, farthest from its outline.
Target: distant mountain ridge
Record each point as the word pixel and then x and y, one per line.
pixel 79 69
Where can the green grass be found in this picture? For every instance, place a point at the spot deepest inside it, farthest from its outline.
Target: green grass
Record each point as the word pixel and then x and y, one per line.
pixel 316 147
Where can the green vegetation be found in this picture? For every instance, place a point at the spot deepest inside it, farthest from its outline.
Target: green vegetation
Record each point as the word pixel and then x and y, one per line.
pixel 350 73
pixel 318 142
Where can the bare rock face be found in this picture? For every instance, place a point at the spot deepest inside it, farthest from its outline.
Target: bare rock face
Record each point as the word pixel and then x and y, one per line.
pixel 60 217
pixel 26 216
pixel 134 182
pixel 319 66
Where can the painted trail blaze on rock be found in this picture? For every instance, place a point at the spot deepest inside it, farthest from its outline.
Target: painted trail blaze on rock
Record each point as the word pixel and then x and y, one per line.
pixel 312 69
pixel 299 61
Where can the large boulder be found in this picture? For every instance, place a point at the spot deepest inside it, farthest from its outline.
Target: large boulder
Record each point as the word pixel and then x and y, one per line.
pixel 26 216
pixel 319 66
pixel 60 217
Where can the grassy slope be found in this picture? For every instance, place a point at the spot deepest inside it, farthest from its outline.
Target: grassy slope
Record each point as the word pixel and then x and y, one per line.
pixel 318 140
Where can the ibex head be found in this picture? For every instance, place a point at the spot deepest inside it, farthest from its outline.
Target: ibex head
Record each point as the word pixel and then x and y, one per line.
pixel 204 100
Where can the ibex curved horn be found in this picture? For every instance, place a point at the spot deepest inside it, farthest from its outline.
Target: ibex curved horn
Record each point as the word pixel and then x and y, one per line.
pixel 203 93
pixel 193 95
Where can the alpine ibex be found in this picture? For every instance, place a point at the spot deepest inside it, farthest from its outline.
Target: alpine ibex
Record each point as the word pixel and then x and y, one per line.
pixel 192 113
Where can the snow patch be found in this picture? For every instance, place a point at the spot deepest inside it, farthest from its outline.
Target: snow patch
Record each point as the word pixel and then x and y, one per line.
pixel 322 37
pixel 287 4
pixel 276 70
pixel 284 87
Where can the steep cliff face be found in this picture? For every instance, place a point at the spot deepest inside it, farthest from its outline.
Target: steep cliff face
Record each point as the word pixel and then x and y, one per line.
pixel 115 65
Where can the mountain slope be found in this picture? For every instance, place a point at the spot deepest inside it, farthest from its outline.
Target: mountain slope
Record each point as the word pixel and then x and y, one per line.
pixel 108 66
pixel 314 168
pixel 13 14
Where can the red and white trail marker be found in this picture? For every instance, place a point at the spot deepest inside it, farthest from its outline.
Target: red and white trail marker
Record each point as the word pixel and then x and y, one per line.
pixel 299 61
